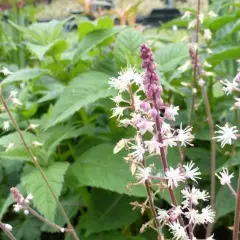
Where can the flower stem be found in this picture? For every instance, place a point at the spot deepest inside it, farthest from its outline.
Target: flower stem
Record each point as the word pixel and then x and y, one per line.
pixel 237 213
pixel 34 213
pixel 164 159
pixel 35 162
pixel 232 190
pixel 213 154
pixel 195 65
pixel 8 233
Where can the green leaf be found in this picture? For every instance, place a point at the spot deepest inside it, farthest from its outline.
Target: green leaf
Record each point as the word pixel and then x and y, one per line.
pixel 225 201
pixel 25 74
pixel 226 53
pixel 109 170
pixel 52 49
pixel 105 211
pixel 34 183
pixel 83 90
pixel 27 229
pixel 127 47
pixel 170 56
pixel 95 38
pixel 219 22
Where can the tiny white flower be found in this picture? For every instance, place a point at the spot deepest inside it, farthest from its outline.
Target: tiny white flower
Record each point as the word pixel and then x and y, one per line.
pixel 185 66
pixel 207 34
pixel 174 176
pixel 120 145
pixel 13 94
pixel 179 232
pixel 125 122
pixel 186 15
pixel 145 126
pixel 118 112
pixel 184 136
pixel 192 24
pixel 36 144
pixel 9 147
pixel 8 227
pixel 229 87
pixel 16 101
pixel 143 174
pixel 201 82
pixel 227 134
pixel 162 215
pixel 62 230
pixel 171 112
pixel 6 72
pixel 26 212
pixel 192 215
pixel 212 14
pixel 6 125
pixel 169 140
pixel 138 154
pixel 225 177
pixel 208 214
pixel 166 128
pixel 191 172
pixel 117 99
pixel 153 146
pixel 33 126
pixel 17 207
pixel 29 197
pixel 174 28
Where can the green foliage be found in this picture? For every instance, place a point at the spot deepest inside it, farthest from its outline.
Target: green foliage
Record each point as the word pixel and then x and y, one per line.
pixel 106 211
pixel 84 89
pixel 127 47
pixel 109 171
pixel 62 80
pixel 34 183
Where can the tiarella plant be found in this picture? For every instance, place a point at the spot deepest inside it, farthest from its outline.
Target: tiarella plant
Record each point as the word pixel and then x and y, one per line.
pixel 139 105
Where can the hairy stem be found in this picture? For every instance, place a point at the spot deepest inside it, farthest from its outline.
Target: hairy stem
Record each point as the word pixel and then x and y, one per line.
pixel 213 154
pixel 7 232
pixel 237 213
pixel 35 162
pixel 195 65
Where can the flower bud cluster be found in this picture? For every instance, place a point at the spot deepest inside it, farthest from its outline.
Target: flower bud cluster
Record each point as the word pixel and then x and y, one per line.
pixel 21 202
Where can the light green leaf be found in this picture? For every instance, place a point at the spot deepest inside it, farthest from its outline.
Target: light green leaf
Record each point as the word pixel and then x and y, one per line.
pixel 127 47
pixel 43 199
pixel 219 22
pixel 25 74
pixel 227 53
pixel 105 211
pixel 95 38
pixel 170 56
pixel 109 170
pixel 52 49
pixel 83 90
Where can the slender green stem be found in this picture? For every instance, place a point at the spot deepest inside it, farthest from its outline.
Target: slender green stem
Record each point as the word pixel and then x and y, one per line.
pixel 237 213
pixel 35 162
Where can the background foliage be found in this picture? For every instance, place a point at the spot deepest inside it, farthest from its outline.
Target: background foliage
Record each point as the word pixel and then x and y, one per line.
pixel 62 80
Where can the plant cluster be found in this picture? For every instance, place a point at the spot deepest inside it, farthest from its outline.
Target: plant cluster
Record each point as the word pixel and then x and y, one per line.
pixel 106 118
